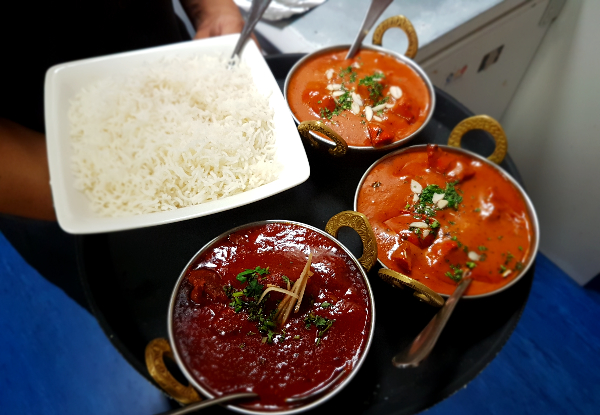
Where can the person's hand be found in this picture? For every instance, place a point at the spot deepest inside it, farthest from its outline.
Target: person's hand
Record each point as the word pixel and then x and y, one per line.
pixel 213 17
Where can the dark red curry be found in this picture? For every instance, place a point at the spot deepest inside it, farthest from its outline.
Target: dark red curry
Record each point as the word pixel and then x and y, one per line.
pixel 227 349
pixel 478 221
pixel 372 99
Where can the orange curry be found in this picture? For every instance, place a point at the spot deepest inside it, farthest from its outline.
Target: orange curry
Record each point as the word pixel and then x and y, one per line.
pixel 373 99
pixel 438 213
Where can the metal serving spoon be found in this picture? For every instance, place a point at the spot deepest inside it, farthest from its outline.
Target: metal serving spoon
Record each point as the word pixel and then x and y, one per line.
pixel 377 7
pixel 193 407
pixel 257 9
pixel 424 342
pixel 247 395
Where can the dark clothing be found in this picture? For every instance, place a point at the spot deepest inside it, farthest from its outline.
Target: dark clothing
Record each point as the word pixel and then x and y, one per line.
pixel 37 35
pixel 45 33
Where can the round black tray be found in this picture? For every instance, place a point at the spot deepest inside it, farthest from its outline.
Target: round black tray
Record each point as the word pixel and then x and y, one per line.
pixel 129 276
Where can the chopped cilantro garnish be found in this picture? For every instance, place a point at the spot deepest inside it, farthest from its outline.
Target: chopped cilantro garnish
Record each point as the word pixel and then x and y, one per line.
pixel 382 101
pixel 322 323
pixel 325 304
pixel 344 103
pixel 245 300
pixel 471 265
pixel 519 266
pixel 326 113
pixel 286 279
pixel 502 269
pixel 452 196
pixel 482 248
pixel 349 70
pixel 435 224
pixel 456 274
pixel 373 85
pixel 477 210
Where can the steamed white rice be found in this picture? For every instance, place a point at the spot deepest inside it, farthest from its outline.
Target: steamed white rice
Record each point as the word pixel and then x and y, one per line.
pixel 173 134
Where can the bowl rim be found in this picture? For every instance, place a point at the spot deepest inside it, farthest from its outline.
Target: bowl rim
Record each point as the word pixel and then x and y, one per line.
pixel 407 61
pixel 311 404
pixel 530 208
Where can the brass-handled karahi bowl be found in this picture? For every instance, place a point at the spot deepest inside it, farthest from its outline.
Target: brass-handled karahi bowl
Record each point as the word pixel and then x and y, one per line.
pixel 376 101
pixel 440 212
pixel 277 308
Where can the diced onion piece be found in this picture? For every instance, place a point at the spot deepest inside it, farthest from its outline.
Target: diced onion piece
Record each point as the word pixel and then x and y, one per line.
pixel 506 273
pixel 334 87
pixel 369 113
pixel 474 256
pixel 442 203
pixel 437 197
pixel 396 92
pixel 329 73
pixel 376 118
pixel 337 93
pixel 421 225
pixel 416 187
pixel 378 107
pixel 278 289
pixel 355 108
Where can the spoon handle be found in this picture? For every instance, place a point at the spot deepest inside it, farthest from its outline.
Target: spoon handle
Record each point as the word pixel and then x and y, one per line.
pixel 193 407
pixel 424 342
pixel 377 7
pixel 257 9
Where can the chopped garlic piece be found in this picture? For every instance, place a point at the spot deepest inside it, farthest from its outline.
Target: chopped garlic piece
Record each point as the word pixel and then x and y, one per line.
pixel 421 225
pixel 396 92
pixel 416 187
pixel 338 93
pixel 334 87
pixel 329 73
pixel 474 256
pixel 389 105
pixel 376 118
pixel 356 98
pixel 369 113
pixel 415 198
pixel 425 233
pixel 442 204
pixel 379 107
pixel 506 273
pixel 437 197
pixel 355 108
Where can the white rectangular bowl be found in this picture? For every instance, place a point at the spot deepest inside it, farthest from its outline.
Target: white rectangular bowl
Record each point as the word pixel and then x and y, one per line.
pixel 64 81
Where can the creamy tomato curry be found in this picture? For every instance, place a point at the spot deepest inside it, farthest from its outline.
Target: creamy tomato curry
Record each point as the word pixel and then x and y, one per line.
pixel 228 332
pixel 438 213
pixel 373 99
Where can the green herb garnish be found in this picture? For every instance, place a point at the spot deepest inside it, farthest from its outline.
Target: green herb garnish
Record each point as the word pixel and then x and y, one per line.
pixel 321 323
pixel 373 85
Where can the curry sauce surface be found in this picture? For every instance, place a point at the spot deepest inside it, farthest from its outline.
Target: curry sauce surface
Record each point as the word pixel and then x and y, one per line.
pixel 310 99
pixel 224 351
pixel 491 223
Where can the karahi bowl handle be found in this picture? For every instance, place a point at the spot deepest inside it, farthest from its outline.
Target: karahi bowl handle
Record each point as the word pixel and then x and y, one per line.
pixel 361 225
pixel 305 128
pixel 486 123
pixel 156 351
pixel 403 23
